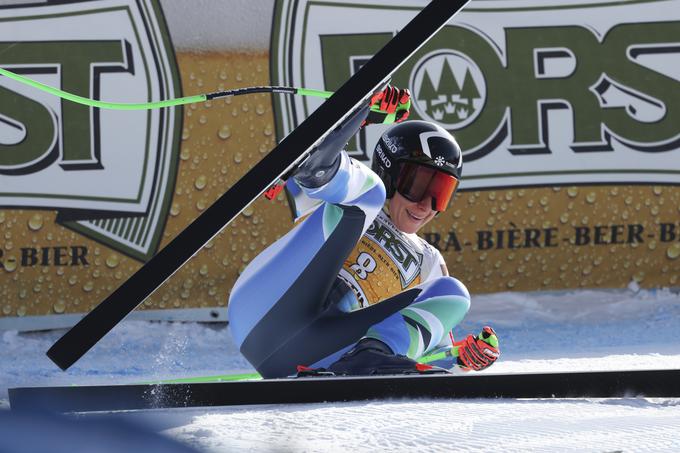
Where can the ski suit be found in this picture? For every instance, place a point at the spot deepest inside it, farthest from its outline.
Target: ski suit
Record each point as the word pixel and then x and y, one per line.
pixel 343 273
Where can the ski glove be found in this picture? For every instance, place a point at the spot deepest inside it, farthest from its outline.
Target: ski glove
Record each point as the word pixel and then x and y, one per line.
pixel 478 352
pixel 391 105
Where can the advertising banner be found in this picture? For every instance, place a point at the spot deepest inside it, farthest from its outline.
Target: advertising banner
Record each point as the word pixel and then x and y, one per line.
pixel 568 114
pixel 108 174
pixel 567 111
pixel 88 195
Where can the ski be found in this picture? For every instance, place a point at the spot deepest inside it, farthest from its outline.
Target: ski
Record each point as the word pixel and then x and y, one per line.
pixel 604 384
pixel 207 379
pixel 292 151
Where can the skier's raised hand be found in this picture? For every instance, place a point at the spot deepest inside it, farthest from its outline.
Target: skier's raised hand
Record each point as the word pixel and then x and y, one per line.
pixel 390 105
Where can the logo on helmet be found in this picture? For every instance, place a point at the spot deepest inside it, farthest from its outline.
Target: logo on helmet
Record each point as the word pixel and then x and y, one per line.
pixel 440 161
pixel 449 88
pixel 390 144
pixel 383 158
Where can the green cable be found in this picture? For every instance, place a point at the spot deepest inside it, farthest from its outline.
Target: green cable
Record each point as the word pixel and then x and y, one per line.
pixel 172 102
pixel 101 104
pixel 315 93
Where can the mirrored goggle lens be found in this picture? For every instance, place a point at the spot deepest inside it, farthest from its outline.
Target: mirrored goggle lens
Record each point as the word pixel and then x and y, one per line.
pixel 417 181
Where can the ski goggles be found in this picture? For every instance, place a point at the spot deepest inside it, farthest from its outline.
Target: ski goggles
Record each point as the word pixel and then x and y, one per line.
pixel 416 181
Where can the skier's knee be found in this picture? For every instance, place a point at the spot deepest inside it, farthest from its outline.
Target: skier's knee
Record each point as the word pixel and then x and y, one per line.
pixel 450 286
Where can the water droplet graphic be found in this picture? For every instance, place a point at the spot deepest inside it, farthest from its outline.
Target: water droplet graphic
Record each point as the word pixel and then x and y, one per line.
pixel 112 261
pixel 673 252
pixel 35 222
pixel 224 132
pixel 201 182
pixel 10 264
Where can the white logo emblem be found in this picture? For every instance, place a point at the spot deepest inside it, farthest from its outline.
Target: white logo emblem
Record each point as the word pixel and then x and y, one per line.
pixel 449 88
pixel 439 160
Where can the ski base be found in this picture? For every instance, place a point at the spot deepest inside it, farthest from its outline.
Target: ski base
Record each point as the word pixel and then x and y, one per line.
pixel 605 384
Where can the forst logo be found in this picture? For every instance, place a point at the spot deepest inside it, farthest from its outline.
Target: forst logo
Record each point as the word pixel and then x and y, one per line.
pixel 604 81
pixel 578 101
pixel 108 174
pixel 448 88
pixel 407 260
pixel 36 133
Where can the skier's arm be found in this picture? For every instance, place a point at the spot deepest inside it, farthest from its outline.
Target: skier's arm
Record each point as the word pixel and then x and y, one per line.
pixel 321 166
pixel 323 163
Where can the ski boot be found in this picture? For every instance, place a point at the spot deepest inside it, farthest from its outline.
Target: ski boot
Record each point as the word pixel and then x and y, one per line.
pixel 373 357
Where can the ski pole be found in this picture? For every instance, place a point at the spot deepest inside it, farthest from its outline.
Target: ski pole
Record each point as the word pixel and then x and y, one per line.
pixel 449 352
pixel 173 102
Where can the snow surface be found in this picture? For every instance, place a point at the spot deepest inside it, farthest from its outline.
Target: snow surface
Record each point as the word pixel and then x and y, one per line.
pixel 573 331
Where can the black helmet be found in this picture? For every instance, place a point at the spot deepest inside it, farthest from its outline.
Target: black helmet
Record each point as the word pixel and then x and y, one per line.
pixel 410 145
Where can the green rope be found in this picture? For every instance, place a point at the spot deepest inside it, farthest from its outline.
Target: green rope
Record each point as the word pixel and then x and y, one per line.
pixel 159 104
pixel 101 104
pixel 179 101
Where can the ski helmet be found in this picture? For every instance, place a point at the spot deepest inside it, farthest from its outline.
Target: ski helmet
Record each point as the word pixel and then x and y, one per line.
pixel 419 158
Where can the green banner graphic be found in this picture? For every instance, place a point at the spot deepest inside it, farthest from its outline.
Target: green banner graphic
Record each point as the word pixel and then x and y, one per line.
pixel 538 93
pixel 109 174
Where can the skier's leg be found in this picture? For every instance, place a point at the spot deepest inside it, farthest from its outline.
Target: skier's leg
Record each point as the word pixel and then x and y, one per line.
pixel 287 286
pixel 419 328
pixel 435 308
pixel 412 323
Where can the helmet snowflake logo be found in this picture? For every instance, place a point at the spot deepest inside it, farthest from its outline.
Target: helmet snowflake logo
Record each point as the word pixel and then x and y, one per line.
pixel 439 160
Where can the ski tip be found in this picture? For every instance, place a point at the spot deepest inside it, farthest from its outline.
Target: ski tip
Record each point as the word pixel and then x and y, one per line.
pixel 58 358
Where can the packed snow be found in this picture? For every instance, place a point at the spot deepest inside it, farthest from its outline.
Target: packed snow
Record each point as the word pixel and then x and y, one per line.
pixel 569 331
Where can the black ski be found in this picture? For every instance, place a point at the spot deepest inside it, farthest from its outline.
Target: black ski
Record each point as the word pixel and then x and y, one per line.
pixel 287 155
pixel 605 384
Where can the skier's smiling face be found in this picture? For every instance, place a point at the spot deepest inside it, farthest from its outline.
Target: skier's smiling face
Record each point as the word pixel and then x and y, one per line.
pixel 410 216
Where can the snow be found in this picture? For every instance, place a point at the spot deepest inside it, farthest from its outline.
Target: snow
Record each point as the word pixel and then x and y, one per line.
pixel 568 331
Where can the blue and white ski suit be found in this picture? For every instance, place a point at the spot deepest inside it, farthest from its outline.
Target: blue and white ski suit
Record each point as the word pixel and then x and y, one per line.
pixel 343 273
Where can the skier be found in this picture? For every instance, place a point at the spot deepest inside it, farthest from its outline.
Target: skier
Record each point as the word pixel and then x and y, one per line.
pixel 351 288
